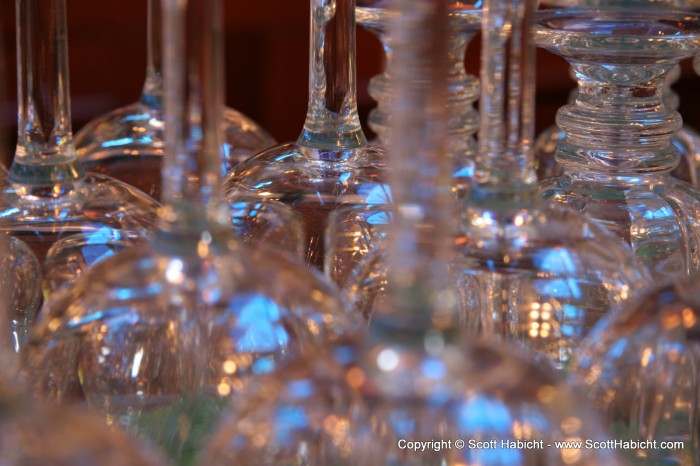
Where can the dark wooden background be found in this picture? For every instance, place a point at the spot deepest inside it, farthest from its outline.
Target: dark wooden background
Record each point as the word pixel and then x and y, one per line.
pixel 266 64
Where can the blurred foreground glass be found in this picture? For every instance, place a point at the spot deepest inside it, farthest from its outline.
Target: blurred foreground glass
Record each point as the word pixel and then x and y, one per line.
pixel 68 218
pixel 156 336
pixel 530 274
pixel 353 232
pixel 617 154
pixel 128 143
pixel 415 376
pixel 32 433
pixel 331 164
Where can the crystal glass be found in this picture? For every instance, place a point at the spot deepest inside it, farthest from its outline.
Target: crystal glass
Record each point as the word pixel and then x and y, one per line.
pixel 415 376
pixel 47 198
pixel 331 164
pixel 686 140
pixel 618 154
pixel 128 144
pixel 30 432
pixel 154 337
pixel 528 273
pixel 463 89
pixel 640 367
pixel 352 232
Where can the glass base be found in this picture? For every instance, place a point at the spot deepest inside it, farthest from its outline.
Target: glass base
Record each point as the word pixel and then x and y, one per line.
pixel 541 279
pixel 98 216
pixel 330 409
pixel 128 144
pixel 315 182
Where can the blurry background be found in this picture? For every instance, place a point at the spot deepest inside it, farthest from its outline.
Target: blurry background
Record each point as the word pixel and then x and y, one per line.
pixel 266 64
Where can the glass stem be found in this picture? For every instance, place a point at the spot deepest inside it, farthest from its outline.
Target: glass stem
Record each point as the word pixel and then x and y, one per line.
pixel 619 122
pixel 505 162
pixel 332 121
pixel 193 85
pixel 45 155
pixel 463 91
pixel 152 94
pixel 419 245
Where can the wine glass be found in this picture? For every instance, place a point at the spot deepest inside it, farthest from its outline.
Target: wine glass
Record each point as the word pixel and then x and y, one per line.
pixel 686 140
pixel 415 376
pixel 640 367
pixel 30 432
pixel 46 196
pixel 463 88
pixel 331 164
pixel 617 154
pixel 128 144
pixel 156 336
pixel 535 275
pixel 352 232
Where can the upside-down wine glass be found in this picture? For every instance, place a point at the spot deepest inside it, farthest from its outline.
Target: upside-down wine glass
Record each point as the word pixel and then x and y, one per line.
pixel 35 434
pixel 532 274
pixel 686 140
pixel 156 335
pixel 463 89
pixel 128 144
pixel 618 154
pixel 353 232
pixel 70 219
pixel 415 375
pixel 641 367
pixel 331 164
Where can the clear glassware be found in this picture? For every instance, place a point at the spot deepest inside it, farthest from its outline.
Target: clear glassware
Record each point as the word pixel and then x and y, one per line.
pixel 530 273
pixel 154 337
pixel 351 232
pixel 46 196
pixel 415 376
pixel 463 88
pixel 128 144
pixel 640 367
pixel 686 140
pixel 30 432
pixel 618 154
pixel 331 164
